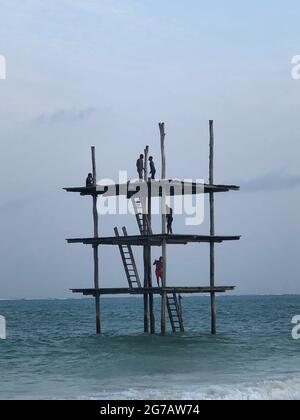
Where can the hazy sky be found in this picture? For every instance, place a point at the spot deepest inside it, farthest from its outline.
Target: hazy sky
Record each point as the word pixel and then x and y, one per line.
pixel 105 73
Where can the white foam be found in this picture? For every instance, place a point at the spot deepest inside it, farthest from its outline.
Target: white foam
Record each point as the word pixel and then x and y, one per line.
pixel 288 389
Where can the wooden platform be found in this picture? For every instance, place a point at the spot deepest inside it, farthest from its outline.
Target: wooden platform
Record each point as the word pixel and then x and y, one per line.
pixel 134 187
pixel 153 240
pixel 153 290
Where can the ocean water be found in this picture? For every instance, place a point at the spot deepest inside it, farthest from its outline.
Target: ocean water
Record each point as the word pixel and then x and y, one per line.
pixel 51 351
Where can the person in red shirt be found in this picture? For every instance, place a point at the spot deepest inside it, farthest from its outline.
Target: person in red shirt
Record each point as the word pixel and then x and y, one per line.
pixel 159 270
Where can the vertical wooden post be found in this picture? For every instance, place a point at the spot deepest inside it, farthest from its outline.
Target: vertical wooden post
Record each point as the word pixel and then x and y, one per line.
pixel 145 251
pixel 151 301
pixel 95 247
pixel 164 244
pixel 212 230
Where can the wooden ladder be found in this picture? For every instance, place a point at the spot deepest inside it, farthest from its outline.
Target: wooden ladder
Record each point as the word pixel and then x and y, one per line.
pixel 175 313
pixel 129 262
pixel 140 213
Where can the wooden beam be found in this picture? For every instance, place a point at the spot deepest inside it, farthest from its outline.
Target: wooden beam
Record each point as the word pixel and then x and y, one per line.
pixel 164 243
pixel 177 188
pixel 145 249
pixel 212 230
pixel 95 246
pixel 154 290
pixel 151 301
pixel 153 240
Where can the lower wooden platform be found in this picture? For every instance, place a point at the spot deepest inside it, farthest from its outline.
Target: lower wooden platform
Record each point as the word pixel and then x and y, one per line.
pixel 153 290
pixel 154 240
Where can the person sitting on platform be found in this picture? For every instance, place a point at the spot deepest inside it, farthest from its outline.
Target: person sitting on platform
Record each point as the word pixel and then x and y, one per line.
pixel 140 167
pixel 158 270
pixel 169 215
pixel 152 168
pixel 89 181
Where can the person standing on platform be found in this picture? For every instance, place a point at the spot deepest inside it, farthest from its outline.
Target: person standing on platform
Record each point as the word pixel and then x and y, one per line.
pixel 140 167
pixel 169 214
pixel 152 167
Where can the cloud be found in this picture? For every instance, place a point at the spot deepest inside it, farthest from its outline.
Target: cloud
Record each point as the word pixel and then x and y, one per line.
pixel 272 181
pixel 66 116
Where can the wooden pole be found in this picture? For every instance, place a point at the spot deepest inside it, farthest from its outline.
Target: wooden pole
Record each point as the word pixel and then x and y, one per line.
pixel 95 247
pixel 145 250
pixel 212 230
pixel 151 301
pixel 164 244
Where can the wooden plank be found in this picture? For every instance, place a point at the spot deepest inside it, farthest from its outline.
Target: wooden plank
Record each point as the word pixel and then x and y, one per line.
pixel 154 240
pixel 122 189
pixel 153 290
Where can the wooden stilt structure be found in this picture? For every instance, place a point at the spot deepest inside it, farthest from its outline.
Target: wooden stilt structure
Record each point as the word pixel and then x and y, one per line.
pixel 149 260
pixel 146 251
pixel 163 228
pixel 170 296
pixel 95 246
pixel 212 229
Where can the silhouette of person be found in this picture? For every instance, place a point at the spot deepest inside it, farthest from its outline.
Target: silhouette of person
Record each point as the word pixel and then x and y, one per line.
pixel 89 181
pixel 140 166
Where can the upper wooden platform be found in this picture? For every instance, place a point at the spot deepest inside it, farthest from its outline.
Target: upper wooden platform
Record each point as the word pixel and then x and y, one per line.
pixel 153 240
pixel 170 187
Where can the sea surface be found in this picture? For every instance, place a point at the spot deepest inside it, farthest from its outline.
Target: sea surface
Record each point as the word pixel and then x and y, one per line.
pixel 51 351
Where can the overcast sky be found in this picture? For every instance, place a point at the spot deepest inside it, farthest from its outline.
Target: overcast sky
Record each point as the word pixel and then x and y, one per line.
pixel 105 73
